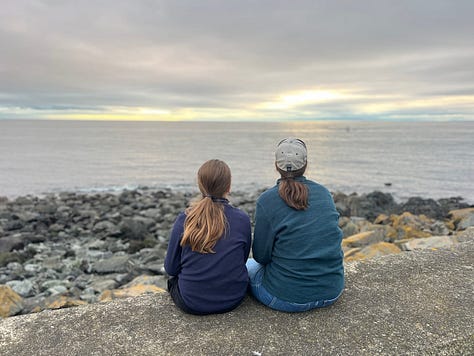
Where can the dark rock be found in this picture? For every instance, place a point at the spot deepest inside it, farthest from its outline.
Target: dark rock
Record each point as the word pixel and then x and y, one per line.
pixel 14 225
pixel 107 227
pixel 418 206
pixel 8 257
pixel 452 203
pixel 371 205
pixel 10 243
pixel 133 229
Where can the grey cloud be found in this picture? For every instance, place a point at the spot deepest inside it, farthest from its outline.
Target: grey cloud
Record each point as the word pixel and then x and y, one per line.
pixel 174 54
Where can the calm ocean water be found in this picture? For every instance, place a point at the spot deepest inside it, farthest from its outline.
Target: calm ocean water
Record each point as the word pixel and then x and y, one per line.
pixel 433 160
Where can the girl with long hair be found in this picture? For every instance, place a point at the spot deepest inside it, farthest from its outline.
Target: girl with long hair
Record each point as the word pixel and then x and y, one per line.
pixel 298 260
pixel 209 245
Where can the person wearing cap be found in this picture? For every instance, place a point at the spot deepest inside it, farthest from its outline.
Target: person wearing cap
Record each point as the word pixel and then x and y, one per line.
pixel 297 260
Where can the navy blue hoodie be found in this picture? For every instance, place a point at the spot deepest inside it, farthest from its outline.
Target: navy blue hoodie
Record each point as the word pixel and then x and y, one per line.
pixel 212 282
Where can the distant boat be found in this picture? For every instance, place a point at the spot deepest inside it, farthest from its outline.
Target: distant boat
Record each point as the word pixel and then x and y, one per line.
pixel 388 184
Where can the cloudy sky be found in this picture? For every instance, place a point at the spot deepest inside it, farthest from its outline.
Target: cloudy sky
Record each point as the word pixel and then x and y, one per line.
pixel 237 59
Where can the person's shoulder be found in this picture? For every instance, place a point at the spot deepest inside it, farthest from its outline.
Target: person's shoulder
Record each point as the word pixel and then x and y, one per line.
pixel 268 195
pixel 181 217
pixel 317 186
pixel 238 213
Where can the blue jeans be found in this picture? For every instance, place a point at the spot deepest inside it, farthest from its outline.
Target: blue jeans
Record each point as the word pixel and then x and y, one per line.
pixel 256 271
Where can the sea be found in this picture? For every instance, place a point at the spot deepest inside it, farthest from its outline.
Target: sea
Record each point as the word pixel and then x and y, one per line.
pixel 427 159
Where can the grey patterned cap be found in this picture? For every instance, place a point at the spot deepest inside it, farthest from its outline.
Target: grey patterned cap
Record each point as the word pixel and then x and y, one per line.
pixel 291 154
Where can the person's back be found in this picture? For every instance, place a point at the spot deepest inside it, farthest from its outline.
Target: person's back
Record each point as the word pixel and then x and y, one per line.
pixel 305 261
pixel 208 248
pixel 212 282
pixel 297 241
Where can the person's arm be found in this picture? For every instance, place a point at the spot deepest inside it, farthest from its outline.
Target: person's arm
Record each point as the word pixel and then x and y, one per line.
pixel 263 237
pixel 173 254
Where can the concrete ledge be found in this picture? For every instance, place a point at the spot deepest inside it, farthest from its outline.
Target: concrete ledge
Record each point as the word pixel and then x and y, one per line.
pixel 411 303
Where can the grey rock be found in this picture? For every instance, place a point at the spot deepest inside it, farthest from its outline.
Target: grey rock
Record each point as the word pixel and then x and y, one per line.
pixel 88 295
pixel 350 229
pixel 466 222
pixel 433 242
pixel 133 229
pixel 151 213
pixel 107 227
pixel 57 290
pixel 439 228
pixel 10 243
pixel 27 216
pixel 24 288
pixel 103 284
pixel 52 284
pixel 46 208
pixel 14 225
pixel 115 264
pixel 32 268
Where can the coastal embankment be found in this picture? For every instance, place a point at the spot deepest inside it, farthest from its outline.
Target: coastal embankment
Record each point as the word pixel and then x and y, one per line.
pixel 414 303
pixel 70 249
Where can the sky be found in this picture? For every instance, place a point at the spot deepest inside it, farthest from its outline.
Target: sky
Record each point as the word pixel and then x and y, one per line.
pixel 237 60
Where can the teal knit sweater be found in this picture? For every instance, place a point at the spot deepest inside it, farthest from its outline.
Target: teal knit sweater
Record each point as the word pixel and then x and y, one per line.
pixel 301 250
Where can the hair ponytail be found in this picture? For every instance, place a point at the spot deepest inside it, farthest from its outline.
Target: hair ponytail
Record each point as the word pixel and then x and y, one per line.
pixel 205 221
pixel 294 193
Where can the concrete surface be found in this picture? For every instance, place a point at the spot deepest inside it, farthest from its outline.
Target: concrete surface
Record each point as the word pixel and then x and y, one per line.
pixel 411 303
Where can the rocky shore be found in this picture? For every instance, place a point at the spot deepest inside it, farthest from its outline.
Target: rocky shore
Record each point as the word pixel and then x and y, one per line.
pixel 68 249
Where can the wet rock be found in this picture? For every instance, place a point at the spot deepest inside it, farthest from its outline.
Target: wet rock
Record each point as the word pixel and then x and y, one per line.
pixel 10 302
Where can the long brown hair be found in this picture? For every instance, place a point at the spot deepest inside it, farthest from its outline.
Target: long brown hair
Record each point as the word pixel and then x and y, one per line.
pixel 205 221
pixel 294 193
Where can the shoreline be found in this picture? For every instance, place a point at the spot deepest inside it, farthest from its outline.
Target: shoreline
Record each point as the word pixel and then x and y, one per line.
pixel 68 249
